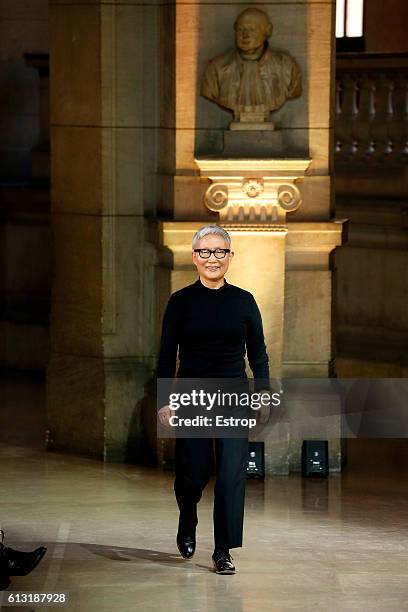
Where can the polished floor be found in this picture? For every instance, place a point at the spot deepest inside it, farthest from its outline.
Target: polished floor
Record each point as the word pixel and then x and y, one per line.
pixel 335 545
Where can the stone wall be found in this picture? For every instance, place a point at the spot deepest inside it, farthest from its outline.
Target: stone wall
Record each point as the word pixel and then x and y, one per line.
pixel 23 29
pixel 105 130
pixel 24 189
pixel 382 26
pixel 371 183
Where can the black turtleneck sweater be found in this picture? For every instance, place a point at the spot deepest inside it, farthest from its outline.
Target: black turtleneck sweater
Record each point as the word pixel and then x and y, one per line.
pixel 212 329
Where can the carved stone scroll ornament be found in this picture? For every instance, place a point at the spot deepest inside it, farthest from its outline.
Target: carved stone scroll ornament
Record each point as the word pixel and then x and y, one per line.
pixel 253 200
pixel 289 197
pixel 252 80
pixel 253 191
pixel 216 197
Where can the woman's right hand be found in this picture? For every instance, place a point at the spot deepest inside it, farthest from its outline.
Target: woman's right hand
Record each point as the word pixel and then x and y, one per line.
pixel 165 413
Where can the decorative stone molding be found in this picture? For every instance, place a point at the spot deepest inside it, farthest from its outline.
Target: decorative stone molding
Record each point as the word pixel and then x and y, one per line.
pixel 253 190
pixel 253 187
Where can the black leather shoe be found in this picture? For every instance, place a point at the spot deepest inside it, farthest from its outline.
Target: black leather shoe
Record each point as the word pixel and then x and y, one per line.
pixel 22 563
pixel 18 563
pixel 223 562
pixel 186 545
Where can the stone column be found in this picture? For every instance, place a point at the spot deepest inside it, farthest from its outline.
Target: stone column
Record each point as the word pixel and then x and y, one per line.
pixel 103 327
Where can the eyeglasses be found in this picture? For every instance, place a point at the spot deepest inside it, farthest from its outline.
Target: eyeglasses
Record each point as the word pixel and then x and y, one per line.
pixel 206 253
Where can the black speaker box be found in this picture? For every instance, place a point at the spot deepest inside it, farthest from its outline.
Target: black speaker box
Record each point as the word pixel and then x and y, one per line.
pixel 256 460
pixel 315 458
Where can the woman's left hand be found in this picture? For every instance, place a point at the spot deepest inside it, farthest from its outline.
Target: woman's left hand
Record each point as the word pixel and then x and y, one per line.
pixel 264 412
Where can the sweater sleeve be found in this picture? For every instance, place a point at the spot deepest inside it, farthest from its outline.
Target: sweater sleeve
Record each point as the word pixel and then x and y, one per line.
pixel 166 366
pixel 256 348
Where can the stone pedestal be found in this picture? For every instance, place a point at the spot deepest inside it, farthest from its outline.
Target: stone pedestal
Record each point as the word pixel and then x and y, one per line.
pixel 285 265
pixel 287 270
pixel 257 125
pixel 253 143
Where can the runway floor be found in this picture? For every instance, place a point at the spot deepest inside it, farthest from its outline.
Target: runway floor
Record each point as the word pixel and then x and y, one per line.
pixel 334 545
pixel 339 544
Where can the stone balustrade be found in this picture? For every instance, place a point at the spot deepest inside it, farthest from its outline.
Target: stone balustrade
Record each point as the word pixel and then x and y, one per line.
pixel 371 120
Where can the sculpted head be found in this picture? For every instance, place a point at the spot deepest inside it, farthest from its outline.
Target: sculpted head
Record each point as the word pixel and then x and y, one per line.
pixel 252 29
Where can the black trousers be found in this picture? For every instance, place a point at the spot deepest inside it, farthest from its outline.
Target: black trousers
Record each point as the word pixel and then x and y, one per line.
pixel 193 471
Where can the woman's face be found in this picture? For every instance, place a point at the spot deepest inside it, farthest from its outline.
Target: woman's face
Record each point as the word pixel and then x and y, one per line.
pixel 212 269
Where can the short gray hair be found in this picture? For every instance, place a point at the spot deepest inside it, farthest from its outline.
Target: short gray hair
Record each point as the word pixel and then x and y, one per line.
pixel 207 230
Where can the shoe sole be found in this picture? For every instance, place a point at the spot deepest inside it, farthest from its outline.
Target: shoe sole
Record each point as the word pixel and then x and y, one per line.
pixel 225 572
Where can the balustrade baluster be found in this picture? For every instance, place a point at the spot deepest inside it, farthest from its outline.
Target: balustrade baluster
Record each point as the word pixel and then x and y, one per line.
pixel 366 111
pixel 346 118
pixel 371 109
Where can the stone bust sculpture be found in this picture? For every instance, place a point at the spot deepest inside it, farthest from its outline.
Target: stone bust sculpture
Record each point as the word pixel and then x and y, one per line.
pixel 252 80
